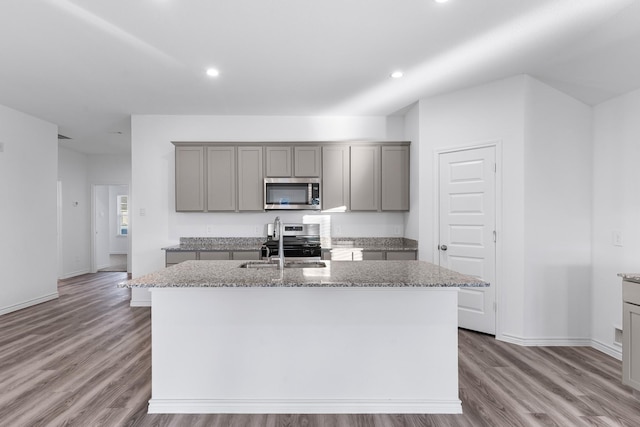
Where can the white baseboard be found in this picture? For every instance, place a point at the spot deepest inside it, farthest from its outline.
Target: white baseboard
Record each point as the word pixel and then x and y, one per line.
pixel 295 406
pixel 140 303
pixel 35 301
pixel 613 351
pixel 546 341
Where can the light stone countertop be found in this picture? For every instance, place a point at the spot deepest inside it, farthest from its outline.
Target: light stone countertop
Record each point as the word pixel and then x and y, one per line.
pixel 221 274
pixel 389 244
pixel 630 277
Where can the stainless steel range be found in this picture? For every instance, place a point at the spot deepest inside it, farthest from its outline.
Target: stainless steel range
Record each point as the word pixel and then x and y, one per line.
pixel 299 241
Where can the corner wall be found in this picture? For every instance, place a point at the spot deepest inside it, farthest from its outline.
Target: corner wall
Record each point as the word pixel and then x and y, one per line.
pixel 483 114
pixel 76 213
pixel 557 217
pixel 616 208
pixel 28 212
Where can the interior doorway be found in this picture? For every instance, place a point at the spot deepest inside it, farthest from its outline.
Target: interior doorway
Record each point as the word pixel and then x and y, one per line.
pixel 110 231
pixel 467 229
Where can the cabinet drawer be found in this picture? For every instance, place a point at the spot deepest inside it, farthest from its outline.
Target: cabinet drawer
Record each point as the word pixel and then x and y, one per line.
pixel 373 256
pixel 216 256
pixel 246 256
pixel 631 292
pixel 401 256
pixel 177 257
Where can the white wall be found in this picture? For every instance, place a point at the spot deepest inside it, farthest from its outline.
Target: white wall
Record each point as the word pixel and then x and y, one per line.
pixel 557 215
pixel 544 245
pixel 616 207
pixel 76 213
pixel 488 113
pixel 152 187
pixel 412 133
pixel 101 232
pixel 28 211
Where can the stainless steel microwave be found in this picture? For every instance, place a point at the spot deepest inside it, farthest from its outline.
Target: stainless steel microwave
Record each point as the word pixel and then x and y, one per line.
pixel 292 193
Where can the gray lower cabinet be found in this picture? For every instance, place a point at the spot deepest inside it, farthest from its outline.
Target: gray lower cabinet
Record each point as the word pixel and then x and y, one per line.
pixel 631 334
pixel 401 256
pixel 364 187
pixel 335 177
pixel 176 257
pixel 190 172
pixel 214 256
pixel 395 178
pixel 250 180
pixel 345 254
pixel 246 256
pixel 373 256
pixel 172 258
pixel 221 178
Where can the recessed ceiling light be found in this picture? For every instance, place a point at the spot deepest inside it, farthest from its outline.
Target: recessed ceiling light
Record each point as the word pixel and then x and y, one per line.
pixel 397 74
pixel 212 72
pixel 441 1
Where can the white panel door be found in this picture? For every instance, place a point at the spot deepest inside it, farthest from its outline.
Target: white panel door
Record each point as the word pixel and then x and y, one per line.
pixel 467 204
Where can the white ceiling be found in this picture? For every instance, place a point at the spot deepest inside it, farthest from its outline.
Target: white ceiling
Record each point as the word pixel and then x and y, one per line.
pixel 88 65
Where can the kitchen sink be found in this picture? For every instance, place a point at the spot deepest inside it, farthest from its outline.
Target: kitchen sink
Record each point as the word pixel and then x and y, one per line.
pixel 287 264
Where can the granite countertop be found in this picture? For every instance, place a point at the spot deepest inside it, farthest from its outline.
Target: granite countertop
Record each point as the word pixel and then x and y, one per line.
pixel 217 244
pixel 255 243
pixel 630 277
pixel 374 243
pixel 221 274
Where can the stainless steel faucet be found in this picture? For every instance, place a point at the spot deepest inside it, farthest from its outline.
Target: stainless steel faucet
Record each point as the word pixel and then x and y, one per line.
pixel 278 231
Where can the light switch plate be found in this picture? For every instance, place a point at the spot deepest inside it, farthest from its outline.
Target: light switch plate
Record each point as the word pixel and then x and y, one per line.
pixel 616 238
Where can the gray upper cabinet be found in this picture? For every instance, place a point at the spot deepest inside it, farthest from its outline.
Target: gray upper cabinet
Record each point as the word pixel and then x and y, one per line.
pixel 395 178
pixel 250 182
pixel 227 177
pixel 190 173
pixel 221 178
pixel 335 177
pixel 306 161
pixel 365 178
pixel 278 161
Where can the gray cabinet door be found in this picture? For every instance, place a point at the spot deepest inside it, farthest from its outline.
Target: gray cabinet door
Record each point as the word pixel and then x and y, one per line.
pixel 365 178
pixel 335 177
pixel 221 178
pixel 278 160
pixel 190 179
pixel 250 180
pixel 401 256
pixel 306 161
pixel 372 256
pixel 214 256
pixel 395 178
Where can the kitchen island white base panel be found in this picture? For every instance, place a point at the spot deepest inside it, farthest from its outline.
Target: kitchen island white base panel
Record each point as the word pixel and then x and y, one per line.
pixel 304 350
pixel 292 406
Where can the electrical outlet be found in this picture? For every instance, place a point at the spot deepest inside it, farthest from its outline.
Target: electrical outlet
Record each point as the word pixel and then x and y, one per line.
pixel 209 229
pixel 397 230
pixel 338 230
pixel 257 230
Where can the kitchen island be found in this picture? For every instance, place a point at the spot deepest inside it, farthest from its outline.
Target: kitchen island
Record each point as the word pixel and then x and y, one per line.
pixel 351 337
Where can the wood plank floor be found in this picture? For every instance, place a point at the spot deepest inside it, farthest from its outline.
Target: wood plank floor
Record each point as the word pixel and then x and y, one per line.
pixel 84 360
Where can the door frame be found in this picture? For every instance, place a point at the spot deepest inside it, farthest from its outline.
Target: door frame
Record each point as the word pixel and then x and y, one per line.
pixel 497 144
pixel 94 268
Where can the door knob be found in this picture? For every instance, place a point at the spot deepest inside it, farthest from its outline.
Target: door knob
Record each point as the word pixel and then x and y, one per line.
pixel 443 247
